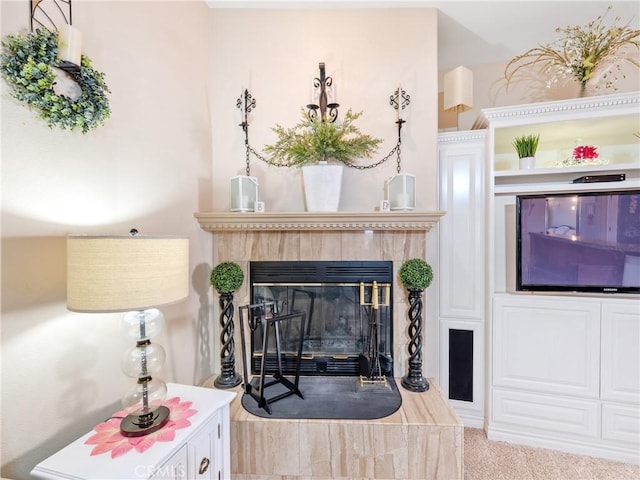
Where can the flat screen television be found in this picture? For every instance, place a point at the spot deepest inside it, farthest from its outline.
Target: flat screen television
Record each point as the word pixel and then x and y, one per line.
pixel 578 242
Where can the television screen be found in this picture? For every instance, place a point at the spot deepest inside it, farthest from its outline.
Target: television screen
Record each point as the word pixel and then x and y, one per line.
pixel 582 242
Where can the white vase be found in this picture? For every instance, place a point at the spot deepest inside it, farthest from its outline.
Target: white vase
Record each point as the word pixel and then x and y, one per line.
pixel 322 187
pixel 527 163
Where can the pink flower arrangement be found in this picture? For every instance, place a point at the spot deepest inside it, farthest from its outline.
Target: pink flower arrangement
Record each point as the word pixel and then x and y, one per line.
pixel 109 439
pixel 585 153
pixel 583 156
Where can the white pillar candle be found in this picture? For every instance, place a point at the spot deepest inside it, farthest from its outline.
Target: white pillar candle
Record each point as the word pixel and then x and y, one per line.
pixel 402 200
pixel 332 93
pixel 69 44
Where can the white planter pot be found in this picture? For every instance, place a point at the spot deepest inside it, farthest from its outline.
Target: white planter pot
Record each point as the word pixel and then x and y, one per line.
pixel 527 163
pixel 322 187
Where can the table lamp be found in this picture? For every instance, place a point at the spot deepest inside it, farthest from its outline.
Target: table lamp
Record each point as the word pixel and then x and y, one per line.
pixel 134 274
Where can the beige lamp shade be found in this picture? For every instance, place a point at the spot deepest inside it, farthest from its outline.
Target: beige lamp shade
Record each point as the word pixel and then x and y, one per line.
pixel 458 89
pixel 123 273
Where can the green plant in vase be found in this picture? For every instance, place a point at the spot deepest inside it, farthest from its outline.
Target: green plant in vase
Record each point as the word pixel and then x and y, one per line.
pixel 321 147
pixel 526 147
pixel 314 140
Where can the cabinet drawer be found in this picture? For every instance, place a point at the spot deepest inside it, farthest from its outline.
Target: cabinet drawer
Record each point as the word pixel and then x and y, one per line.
pixel 620 352
pixel 173 469
pixel 621 423
pixel 546 412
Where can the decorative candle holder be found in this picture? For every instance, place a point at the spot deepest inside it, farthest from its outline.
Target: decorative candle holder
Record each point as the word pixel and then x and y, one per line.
pixel 401 192
pixel 413 380
pixel 244 193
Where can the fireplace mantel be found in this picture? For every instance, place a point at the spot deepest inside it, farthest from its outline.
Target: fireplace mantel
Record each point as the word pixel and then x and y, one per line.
pixel 317 221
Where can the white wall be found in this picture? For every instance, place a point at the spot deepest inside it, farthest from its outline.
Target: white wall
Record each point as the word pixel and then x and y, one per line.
pixel 274 53
pixel 369 52
pixel 149 167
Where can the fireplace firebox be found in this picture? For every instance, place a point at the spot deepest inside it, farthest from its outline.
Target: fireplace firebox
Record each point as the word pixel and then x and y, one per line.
pixel 342 326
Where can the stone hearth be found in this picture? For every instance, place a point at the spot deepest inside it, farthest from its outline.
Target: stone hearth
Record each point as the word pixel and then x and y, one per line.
pixel 424 440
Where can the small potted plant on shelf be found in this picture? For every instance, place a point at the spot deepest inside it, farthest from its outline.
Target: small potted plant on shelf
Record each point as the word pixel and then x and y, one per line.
pixel 526 147
pixel 322 147
pixel 226 278
pixel 416 275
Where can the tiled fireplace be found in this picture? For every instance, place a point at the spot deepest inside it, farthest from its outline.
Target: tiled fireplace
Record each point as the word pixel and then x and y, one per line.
pixel 423 440
pixel 305 236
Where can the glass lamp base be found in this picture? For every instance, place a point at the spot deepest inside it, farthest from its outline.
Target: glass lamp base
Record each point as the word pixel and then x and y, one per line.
pixel 140 425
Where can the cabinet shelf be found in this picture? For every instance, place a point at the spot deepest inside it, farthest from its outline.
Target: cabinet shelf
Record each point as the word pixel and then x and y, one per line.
pixel 607 121
pixel 559 187
pixel 580 171
pixel 561 179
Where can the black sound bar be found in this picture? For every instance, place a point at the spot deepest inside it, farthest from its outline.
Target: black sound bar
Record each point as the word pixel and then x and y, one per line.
pixel 617 177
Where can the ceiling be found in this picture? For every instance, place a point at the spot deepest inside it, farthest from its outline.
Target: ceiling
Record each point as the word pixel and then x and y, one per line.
pixel 477 32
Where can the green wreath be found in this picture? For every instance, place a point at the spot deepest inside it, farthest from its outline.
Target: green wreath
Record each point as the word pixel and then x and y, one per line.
pixel 27 62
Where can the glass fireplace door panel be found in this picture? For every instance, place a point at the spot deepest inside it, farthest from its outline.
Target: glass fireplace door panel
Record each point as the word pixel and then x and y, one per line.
pixel 337 326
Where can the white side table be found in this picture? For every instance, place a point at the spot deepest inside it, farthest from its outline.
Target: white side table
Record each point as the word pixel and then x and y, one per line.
pixel 200 451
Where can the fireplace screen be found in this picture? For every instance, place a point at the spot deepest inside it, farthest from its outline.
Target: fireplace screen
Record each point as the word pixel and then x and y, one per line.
pixel 342 329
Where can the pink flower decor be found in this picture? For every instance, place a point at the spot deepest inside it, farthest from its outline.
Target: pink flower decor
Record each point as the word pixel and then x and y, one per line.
pixel 109 439
pixel 585 152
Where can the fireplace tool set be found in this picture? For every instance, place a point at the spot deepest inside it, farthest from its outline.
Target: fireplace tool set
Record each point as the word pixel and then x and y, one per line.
pixel 371 371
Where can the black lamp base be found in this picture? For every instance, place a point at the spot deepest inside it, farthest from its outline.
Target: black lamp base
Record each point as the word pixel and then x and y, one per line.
pixel 140 425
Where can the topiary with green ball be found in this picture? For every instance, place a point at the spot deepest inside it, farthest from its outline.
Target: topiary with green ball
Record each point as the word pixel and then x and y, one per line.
pixel 227 277
pixel 416 274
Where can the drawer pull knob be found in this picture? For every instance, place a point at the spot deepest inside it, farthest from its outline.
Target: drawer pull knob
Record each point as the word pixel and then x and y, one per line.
pixel 204 465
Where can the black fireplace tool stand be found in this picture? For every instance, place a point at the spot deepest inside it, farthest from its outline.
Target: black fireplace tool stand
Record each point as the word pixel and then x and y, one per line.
pixel 265 315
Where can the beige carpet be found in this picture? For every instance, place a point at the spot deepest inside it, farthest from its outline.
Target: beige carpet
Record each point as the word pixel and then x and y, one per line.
pixel 489 460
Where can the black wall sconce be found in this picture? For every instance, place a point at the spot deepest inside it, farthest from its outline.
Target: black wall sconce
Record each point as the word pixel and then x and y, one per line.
pixel 322 83
pixel 400 193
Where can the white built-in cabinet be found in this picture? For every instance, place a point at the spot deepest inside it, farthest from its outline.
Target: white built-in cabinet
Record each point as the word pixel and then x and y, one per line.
pixel 461 157
pixel 563 369
pixel 566 374
pixel 197 452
